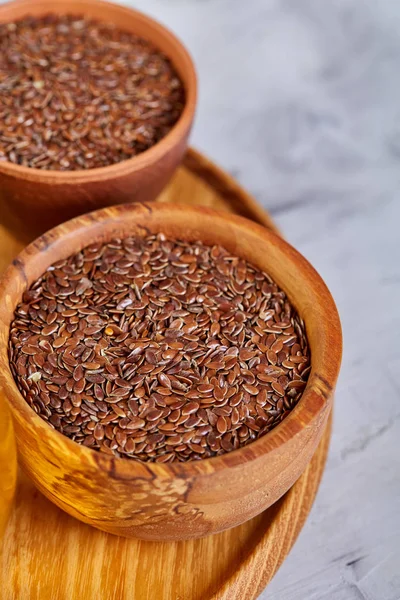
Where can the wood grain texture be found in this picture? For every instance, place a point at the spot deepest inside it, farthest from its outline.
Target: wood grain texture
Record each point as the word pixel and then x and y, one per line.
pixel 45 549
pixel 34 200
pixel 8 463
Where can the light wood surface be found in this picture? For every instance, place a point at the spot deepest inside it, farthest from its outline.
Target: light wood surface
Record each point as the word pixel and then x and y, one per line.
pixel 8 463
pixel 34 200
pixel 47 554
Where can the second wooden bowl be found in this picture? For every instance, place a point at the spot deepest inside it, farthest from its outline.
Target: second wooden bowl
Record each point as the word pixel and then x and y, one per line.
pixel 34 200
pixel 176 500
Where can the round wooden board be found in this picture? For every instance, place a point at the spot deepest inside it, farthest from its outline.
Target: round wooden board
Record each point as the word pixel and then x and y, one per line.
pixel 48 555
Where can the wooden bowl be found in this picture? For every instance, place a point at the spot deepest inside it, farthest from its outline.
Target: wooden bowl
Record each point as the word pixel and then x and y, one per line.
pixel 8 462
pixel 34 200
pixel 175 501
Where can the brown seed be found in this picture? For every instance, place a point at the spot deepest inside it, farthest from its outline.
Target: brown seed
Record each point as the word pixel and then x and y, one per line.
pixel 133 407
pixel 174 440
pixel 98 432
pixel 205 388
pixel 226 445
pixel 245 354
pixel 278 388
pixel 266 378
pixel 153 415
pixel 215 329
pixel 236 399
pixel 221 425
pixel 192 421
pixel 219 393
pixel 190 408
pixel 130 445
pixel 123 383
pixel 136 423
pixel 235 417
pixel 167 427
pixel 277 346
pixel 197 448
pixel 45 345
pixel 29 350
pixel 118 410
pixel 164 380
pixel 186 437
pixel 215 365
pixel 296 384
pixel 174 416
pixel 49 329
pixel 251 389
pixel 163 391
pixel 78 373
pixel 222 411
pixel 59 342
pixel 91 365
pixel 79 386
pixel 169 354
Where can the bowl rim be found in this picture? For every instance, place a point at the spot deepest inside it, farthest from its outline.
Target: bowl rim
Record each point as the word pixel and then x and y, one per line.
pixel 145 158
pixel 314 403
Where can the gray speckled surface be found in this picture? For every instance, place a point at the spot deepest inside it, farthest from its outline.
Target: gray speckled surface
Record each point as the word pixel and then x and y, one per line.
pixel 300 100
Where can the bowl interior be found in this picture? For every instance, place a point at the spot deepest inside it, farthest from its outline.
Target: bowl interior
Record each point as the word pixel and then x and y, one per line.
pixel 127 19
pixel 261 247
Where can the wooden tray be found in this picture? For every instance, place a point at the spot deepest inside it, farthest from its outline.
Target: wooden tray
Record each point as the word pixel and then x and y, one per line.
pixel 48 555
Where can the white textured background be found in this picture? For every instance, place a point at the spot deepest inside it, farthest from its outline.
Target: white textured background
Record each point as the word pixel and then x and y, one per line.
pixel 300 100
